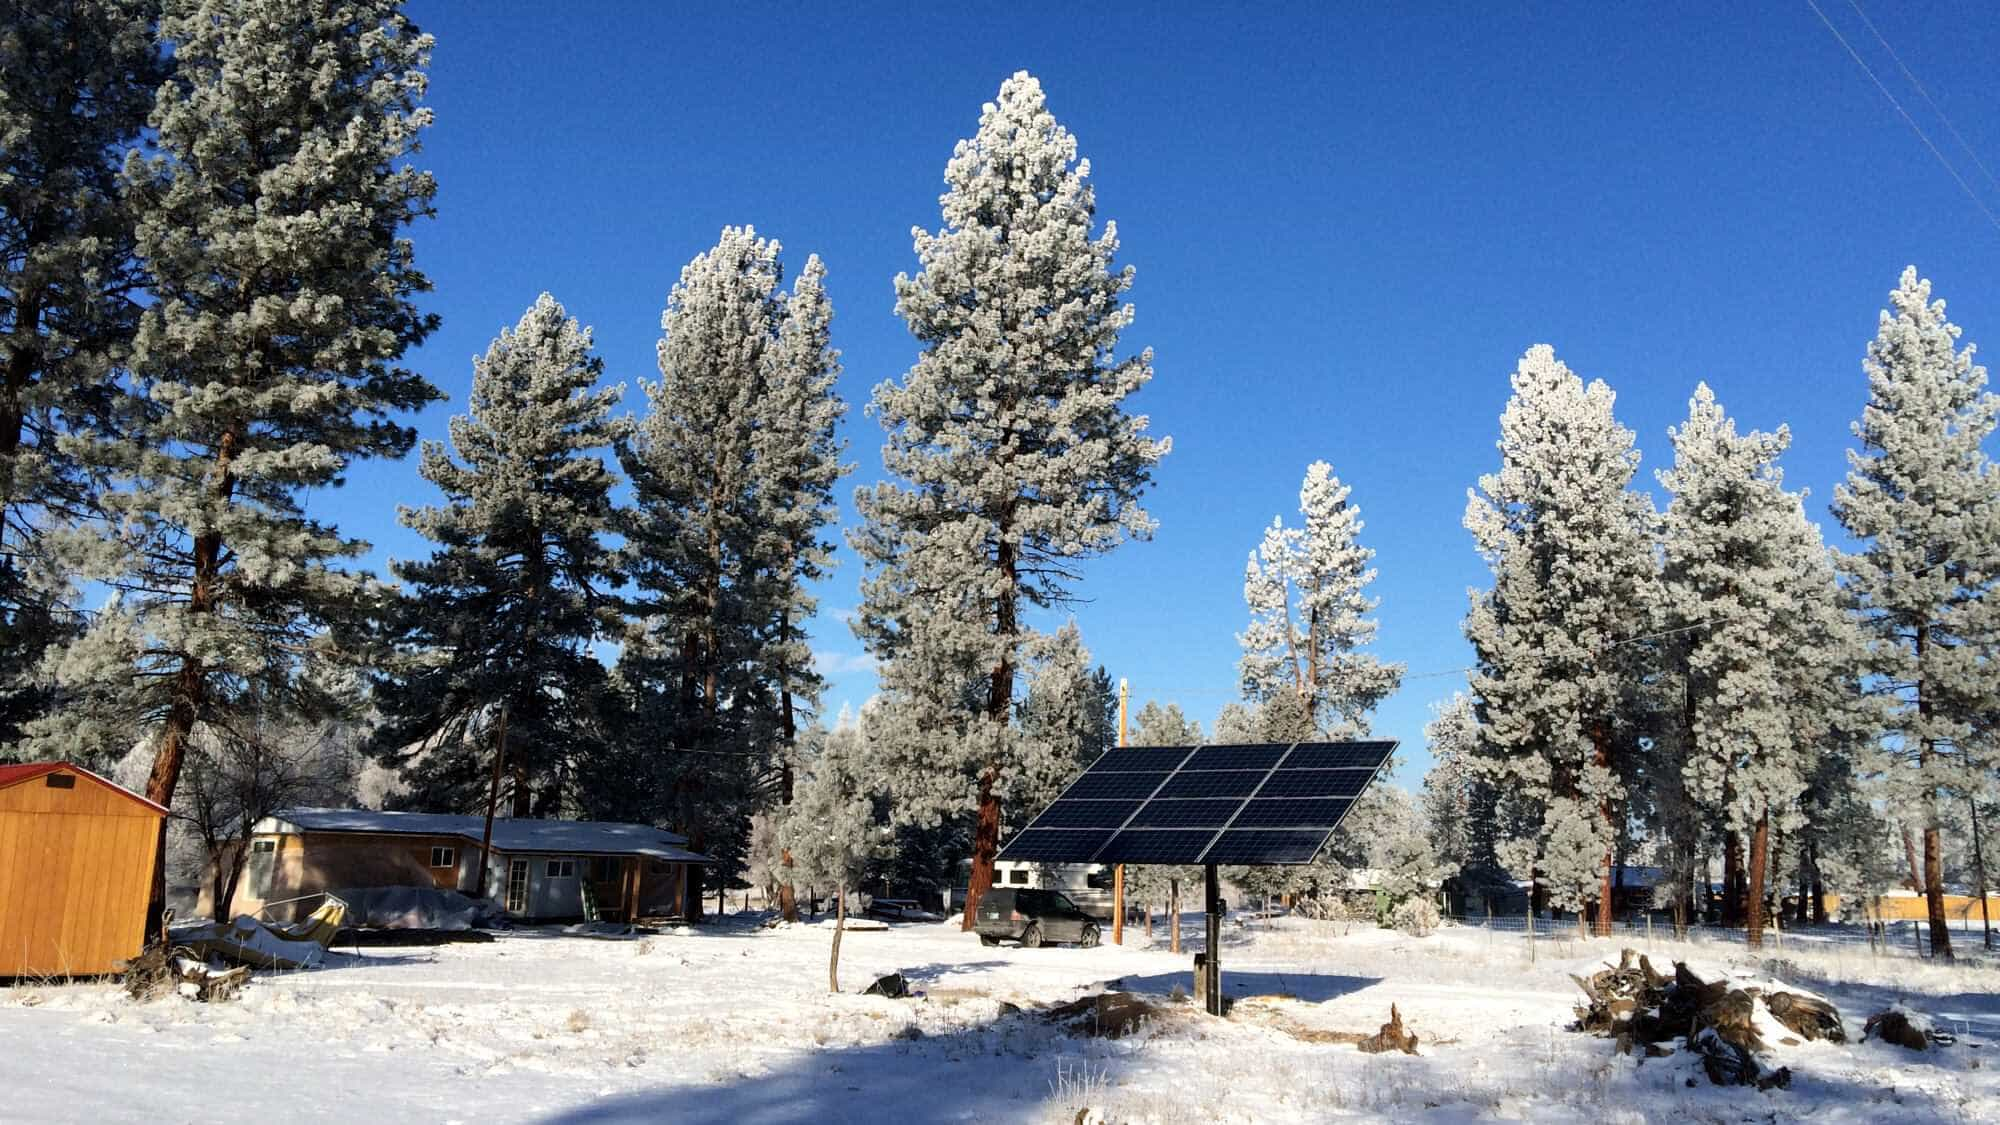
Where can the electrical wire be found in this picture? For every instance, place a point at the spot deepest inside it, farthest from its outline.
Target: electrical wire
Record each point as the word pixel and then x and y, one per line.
pixel 1970 153
pixel 1911 121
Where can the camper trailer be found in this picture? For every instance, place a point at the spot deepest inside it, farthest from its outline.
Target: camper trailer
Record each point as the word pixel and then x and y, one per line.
pixel 1088 885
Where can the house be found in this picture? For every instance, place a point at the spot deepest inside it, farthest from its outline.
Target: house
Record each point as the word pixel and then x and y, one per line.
pixel 540 870
pixel 76 869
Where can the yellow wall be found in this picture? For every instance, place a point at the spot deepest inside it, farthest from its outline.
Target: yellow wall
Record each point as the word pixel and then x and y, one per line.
pixel 76 868
pixel 1915 908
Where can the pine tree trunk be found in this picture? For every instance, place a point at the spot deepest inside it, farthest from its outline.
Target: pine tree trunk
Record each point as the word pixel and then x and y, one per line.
pixel 1979 871
pixel 999 703
pixel 839 927
pixel 190 684
pixel 1933 845
pixel 1760 846
pixel 1916 879
pixel 788 902
pixel 1600 736
pixel 1174 915
pixel 1732 877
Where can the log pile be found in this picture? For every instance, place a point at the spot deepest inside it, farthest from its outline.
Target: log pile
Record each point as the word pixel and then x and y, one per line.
pixel 1904 1028
pixel 1648 1012
pixel 161 970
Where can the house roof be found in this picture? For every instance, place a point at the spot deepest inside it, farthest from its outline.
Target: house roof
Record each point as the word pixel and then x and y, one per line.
pixel 11 775
pixel 564 837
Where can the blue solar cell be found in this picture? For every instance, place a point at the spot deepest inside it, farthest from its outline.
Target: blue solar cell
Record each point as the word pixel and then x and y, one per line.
pixel 1141 759
pixel 1210 813
pixel 1214 783
pixel 1072 813
pixel 1261 846
pixel 1291 813
pixel 1110 786
pixel 1340 755
pixel 1156 845
pixel 1259 757
pixel 1317 783
pixel 1055 845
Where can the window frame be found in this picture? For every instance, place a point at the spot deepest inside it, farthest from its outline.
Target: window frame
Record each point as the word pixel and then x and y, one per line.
pixel 559 869
pixel 444 857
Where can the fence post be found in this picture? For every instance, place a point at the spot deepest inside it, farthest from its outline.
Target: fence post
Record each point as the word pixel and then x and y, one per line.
pixel 1649 932
pixel 1531 933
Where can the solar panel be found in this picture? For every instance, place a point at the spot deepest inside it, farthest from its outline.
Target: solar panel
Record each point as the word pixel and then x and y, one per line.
pixel 1141 759
pixel 1263 803
pixel 1155 845
pixel 1073 813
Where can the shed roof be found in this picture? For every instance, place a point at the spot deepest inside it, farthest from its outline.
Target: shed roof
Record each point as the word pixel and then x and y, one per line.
pixel 566 837
pixel 15 774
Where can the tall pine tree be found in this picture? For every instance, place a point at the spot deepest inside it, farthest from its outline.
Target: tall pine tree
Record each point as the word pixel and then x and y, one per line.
pixel 496 685
pixel 1569 543
pixel 268 359
pixel 76 83
pixel 1309 609
pixel 1923 498
pixel 1014 455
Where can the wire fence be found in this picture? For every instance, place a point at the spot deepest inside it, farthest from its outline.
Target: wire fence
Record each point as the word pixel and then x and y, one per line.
pixel 1901 938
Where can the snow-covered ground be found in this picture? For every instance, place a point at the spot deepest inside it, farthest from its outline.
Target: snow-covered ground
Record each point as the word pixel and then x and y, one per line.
pixel 729 1023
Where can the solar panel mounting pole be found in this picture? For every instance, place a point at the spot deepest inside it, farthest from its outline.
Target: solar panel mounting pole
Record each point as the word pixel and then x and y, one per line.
pixel 1213 985
pixel 1118 871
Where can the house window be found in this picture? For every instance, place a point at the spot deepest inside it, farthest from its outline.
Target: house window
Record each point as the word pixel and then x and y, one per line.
pixel 1099 880
pixel 1018 875
pixel 444 857
pixel 263 847
pixel 560 869
pixel 60 781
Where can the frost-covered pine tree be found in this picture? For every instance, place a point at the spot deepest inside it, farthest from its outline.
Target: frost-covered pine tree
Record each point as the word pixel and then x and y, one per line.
pixel 1460 805
pixel 1569 544
pixel 796 462
pixel 1923 498
pixel 495 629
pixel 1750 598
pixel 283 301
pixel 829 828
pixel 1156 725
pixel 76 83
pixel 1067 717
pixel 692 530
pixel 1013 454
pixel 1306 588
pixel 732 468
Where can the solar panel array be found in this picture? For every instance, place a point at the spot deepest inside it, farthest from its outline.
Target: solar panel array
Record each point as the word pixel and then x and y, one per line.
pixel 1264 804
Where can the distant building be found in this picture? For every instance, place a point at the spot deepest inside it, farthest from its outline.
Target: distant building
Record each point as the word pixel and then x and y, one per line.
pixel 540 870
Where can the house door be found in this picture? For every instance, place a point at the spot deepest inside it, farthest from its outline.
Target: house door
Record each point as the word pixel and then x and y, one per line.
pixel 517 886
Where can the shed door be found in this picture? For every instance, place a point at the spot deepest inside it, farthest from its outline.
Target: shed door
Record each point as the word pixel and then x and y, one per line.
pixel 517 886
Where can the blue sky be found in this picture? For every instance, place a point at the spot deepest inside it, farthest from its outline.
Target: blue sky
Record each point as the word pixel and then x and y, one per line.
pixel 1348 223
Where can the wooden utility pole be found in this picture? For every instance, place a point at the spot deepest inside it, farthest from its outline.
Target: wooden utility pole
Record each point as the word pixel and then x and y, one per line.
pixel 1118 872
pixel 492 799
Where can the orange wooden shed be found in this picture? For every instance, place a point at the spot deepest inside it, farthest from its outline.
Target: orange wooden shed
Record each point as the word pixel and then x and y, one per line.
pixel 76 867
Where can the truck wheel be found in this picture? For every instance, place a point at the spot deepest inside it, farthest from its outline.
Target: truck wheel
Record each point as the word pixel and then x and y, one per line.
pixel 988 939
pixel 1031 938
pixel 1089 938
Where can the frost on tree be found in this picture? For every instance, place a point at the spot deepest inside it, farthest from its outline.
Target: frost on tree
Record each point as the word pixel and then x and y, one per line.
pixel 1012 455
pixel 282 304
pixel 1461 805
pixel 1569 545
pixel 493 667
pixel 1766 662
pixel 732 469
pixel 76 83
pixel 1923 499
pixel 1309 614
pixel 829 828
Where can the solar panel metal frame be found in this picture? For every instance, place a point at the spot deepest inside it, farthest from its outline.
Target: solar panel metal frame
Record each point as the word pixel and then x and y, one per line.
pixel 1158 789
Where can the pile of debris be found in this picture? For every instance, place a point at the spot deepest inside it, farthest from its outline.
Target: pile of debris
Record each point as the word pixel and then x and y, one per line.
pixel 1106 1015
pixel 163 970
pixel 1648 1012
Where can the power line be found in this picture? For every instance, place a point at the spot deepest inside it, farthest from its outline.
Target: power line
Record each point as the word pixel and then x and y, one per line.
pixel 1926 95
pixel 1911 121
